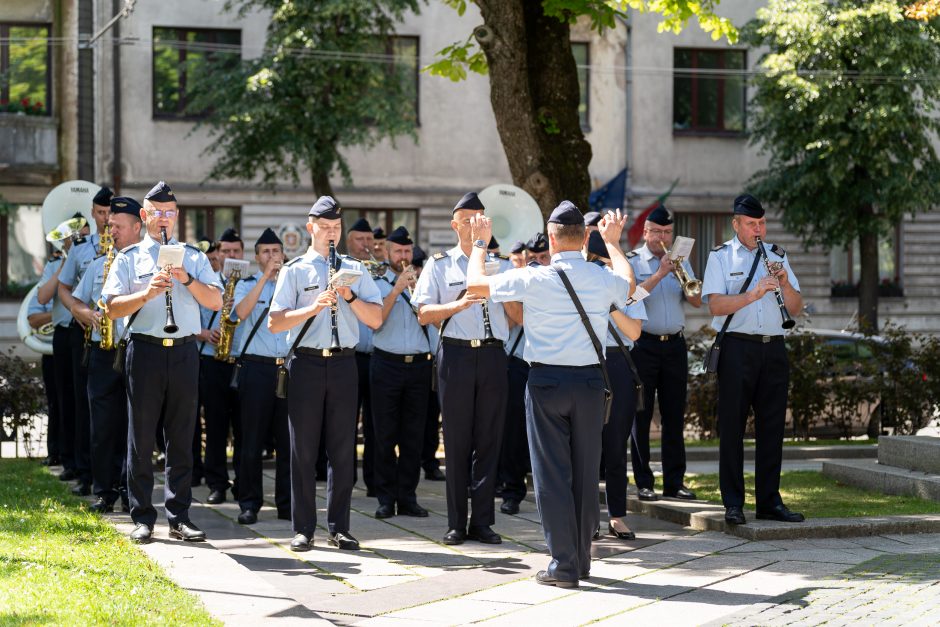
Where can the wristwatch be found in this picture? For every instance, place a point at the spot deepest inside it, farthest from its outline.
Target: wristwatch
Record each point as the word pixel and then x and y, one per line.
pixel 480 244
pixel 354 297
pixel 190 281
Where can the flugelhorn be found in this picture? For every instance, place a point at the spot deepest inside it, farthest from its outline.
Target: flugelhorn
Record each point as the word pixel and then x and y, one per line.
pixel 170 327
pixel 772 270
pixel 690 287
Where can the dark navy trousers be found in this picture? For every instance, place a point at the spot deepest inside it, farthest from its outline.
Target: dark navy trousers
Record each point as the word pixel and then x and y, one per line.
pixel 364 406
pixel 52 401
pixel 514 454
pixel 564 421
pixel 161 379
pixel 472 390
pixel 65 394
pixel 321 398
pixel 82 449
pixel 107 399
pixel 221 414
pixel 617 430
pixel 432 432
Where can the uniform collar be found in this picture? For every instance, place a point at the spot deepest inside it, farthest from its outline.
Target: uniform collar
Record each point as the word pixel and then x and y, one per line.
pixel 148 241
pixel 736 245
pixel 389 275
pixel 313 256
pixel 456 252
pixel 645 253
pixel 568 254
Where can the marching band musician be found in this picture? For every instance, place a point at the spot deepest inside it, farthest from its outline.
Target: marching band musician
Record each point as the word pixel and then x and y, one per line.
pixel 753 370
pixel 322 380
pixel 219 400
pixel 432 427
pixel 565 391
pixel 261 411
pixel 662 359
pixel 78 260
pixel 38 316
pixel 517 254
pixel 107 395
pixel 538 250
pixel 471 378
pixel 162 367
pixel 378 244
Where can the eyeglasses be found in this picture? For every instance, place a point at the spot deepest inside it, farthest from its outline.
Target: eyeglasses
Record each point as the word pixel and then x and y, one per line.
pixel 659 231
pixel 162 213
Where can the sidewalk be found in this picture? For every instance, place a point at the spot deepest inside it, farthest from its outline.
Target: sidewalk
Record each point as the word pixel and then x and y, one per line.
pixel 671 575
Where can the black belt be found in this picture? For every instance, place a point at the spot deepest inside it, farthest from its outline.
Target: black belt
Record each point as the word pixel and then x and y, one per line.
pixel 163 341
pixel 761 339
pixel 660 338
pixel 536 364
pixel 96 346
pixel 472 343
pixel 324 352
pixel 405 359
pixel 274 361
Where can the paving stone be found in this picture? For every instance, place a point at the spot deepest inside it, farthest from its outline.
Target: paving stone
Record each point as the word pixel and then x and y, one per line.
pixel 456 611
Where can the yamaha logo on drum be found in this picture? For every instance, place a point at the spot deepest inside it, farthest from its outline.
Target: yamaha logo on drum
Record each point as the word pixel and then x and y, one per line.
pixel 79 190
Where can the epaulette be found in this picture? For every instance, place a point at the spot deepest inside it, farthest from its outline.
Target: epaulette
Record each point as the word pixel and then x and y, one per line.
pixel 293 261
pixel 631 254
pixel 439 256
pixel 503 257
pixel 250 278
pixel 718 247
pixel 129 248
pixel 777 250
pixel 196 248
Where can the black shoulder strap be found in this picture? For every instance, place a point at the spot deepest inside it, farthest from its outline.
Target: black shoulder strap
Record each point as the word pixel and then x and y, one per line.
pixel 300 336
pixel 440 336
pixel 127 327
pixel 596 342
pixel 211 320
pixel 424 329
pixel 744 287
pixel 637 382
pixel 515 345
pixel 254 329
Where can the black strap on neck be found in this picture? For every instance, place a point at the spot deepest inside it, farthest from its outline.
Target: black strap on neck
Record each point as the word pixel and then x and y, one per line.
pixel 747 283
pixel 608 394
pixel 254 329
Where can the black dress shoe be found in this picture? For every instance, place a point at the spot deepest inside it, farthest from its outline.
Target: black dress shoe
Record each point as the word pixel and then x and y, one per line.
pixel 455 536
pixel 142 534
pixel 370 492
pixel 484 535
pixel 735 516
pixel 51 461
pixel 81 489
pixel 247 517
pixel 385 511
pixel 342 540
pixel 545 579
pixel 597 533
pixel 67 475
pixel 681 493
pixel 623 535
pixel 781 513
pixel 301 543
pixel 434 474
pixel 412 509
pixel 216 497
pixel 101 506
pixel 509 506
pixel 647 495
pixel 187 531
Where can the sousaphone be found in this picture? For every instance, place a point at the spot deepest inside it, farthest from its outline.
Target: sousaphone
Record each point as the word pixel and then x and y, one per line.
pixel 515 214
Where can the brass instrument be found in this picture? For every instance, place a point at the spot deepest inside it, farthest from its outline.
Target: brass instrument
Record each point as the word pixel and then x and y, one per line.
pixel 68 229
pixel 106 325
pixel 170 327
pixel 772 269
pixel 227 326
pixel 406 267
pixel 690 287
pixel 375 267
pixel 334 328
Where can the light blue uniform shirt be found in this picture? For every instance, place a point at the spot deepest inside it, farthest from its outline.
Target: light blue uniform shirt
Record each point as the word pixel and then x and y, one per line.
pixel 725 273
pixel 554 332
pixel 442 281
pixel 400 333
pixel 637 311
pixel 514 334
pixel 264 343
pixel 364 345
pixel 206 316
pixel 79 258
pixel 664 307
pixel 88 291
pixel 300 282
pixel 33 307
pixel 60 315
pixel 131 273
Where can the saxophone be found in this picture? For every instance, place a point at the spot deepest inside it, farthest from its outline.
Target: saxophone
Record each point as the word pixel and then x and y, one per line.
pixel 106 325
pixel 226 326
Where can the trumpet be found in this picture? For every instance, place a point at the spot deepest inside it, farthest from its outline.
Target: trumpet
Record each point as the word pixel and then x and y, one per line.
pixel 375 267
pixel 69 229
pixel 406 268
pixel 690 287
pixel 772 269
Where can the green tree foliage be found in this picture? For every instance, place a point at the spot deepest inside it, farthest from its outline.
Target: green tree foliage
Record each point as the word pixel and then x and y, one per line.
pixel 845 107
pixel 327 79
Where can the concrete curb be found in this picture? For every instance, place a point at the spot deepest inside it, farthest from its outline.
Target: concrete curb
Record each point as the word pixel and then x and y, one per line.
pixel 869 474
pixel 790 453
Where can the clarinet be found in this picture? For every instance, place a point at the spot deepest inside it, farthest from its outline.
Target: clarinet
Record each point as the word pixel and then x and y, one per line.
pixel 334 327
pixel 487 329
pixel 788 322
pixel 170 327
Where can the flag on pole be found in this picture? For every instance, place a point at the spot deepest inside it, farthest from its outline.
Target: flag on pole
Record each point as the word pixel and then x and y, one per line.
pixel 635 232
pixel 610 195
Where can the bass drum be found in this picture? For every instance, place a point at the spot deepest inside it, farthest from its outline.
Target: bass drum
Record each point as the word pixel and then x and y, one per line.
pixel 39 342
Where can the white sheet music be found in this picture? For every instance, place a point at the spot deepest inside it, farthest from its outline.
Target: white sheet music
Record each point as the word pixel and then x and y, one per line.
pixel 681 247
pixel 171 255
pixel 345 277
pixel 638 294
pixel 230 264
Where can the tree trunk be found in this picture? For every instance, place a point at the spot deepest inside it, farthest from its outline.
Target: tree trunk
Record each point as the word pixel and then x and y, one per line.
pixel 320 177
pixel 868 279
pixel 534 93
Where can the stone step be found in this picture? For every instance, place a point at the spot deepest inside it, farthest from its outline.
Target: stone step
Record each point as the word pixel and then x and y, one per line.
pixel 869 474
pixel 913 452
pixel 838 451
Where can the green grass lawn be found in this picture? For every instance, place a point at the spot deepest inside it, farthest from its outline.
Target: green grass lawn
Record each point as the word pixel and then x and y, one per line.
pixel 60 564
pixel 788 442
pixel 819 496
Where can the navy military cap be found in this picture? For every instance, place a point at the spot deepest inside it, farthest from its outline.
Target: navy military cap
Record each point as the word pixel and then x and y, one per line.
pixel 660 215
pixel 747 205
pixel 566 213
pixel 517 247
pixel 124 204
pixel 77 215
pixel 326 207
pixel 469 201
pixel 268 237
pixel 597 246
pixel 103 197
pixel 378 233
pixel 400 236
pixel 418 257
pixel 361 225
pixel 230 235
pixel 161 192
pixel 493 245
pixel 591 218
pixel 538 243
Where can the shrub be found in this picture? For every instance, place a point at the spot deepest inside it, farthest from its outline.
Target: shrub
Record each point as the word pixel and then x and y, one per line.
pixel 21 396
